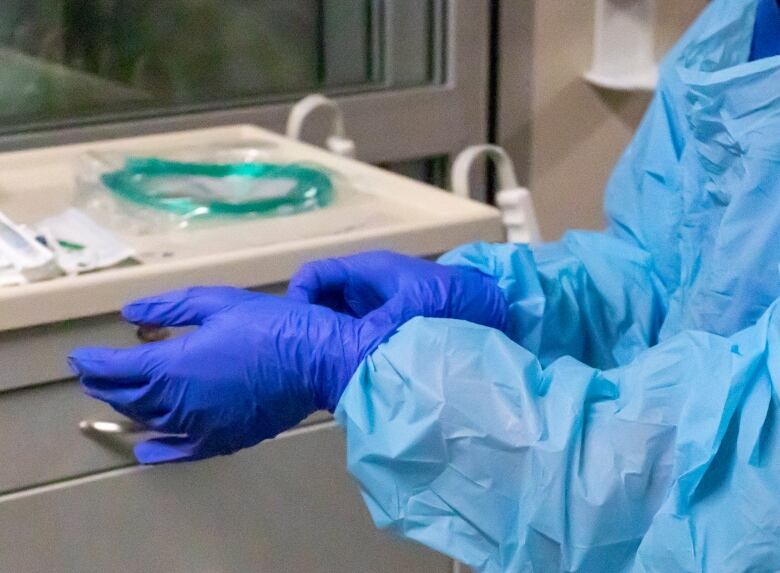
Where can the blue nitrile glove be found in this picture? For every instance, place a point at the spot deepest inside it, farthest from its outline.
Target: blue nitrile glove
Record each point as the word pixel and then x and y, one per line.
pixel 359 284
pixel 766 30
pixel 256 365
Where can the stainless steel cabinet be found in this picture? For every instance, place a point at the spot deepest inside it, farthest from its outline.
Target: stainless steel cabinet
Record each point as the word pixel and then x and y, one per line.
pixel 286 505
pixel 75 502
pixel 70 502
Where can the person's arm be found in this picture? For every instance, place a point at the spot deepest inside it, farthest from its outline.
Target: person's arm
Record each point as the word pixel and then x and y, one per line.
pixel 591 296
pixel 601 296
pixel 461 441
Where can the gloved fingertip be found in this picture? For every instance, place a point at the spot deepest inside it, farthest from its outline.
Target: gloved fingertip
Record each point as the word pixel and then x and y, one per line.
pixel 147 313
pixel 164 450
pixel 299 294
pixel 134 312
pixel 147 309
pixel 185 307
pixel 80 359
pixel 82 353
pixel 120 364
pixel 86 385
pixel 74 365
pixel 98 390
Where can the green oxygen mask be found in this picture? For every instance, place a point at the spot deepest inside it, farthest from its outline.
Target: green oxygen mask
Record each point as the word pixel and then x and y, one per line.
pixel 205 190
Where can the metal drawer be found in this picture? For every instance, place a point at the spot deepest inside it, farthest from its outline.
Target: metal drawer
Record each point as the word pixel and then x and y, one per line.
pixel 40 437
pixel 286 505
pixel 36 355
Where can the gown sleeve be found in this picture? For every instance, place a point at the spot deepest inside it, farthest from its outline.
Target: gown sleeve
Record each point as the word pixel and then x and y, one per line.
pixel 601 297
pixel 670 463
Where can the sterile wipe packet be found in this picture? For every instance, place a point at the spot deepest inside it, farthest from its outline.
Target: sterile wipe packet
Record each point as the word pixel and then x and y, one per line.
pixel 9 276
pixel 24 254
pixel 80 244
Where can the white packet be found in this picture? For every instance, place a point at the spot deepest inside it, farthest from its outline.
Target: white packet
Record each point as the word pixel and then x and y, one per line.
pixel 9 275
pixel 82 245
pixel 24 254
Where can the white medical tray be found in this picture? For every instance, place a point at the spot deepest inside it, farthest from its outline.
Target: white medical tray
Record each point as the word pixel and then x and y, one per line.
pixel 392 212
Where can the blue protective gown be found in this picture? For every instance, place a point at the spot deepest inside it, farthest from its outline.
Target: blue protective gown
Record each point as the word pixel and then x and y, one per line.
pixel 629 419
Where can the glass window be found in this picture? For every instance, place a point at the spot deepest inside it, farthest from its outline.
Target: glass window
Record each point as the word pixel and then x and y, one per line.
pixel 72 61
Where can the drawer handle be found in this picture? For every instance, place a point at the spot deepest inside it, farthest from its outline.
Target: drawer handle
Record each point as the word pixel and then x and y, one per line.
pixel 110 427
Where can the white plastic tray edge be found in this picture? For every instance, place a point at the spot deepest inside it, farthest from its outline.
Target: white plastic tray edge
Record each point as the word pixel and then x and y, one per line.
pixel 452 221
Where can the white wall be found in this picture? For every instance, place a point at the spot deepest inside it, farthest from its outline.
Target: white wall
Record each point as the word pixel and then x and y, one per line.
pixel 564 134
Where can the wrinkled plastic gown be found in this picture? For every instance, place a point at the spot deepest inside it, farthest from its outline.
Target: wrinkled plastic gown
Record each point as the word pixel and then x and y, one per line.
pixel 628 421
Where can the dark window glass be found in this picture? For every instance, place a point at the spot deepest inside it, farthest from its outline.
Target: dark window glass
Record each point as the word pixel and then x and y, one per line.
pixel 72 61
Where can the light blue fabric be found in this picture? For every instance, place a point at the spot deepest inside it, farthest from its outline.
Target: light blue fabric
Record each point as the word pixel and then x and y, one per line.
pixel 628 421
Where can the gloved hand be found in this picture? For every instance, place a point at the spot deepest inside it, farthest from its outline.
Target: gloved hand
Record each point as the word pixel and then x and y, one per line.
pixel 255 366
pixel 362 283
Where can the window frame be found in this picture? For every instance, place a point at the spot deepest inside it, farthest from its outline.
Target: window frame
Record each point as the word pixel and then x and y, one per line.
pixel 419 122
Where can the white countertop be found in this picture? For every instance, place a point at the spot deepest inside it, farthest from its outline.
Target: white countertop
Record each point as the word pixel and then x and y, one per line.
pixel 390 211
